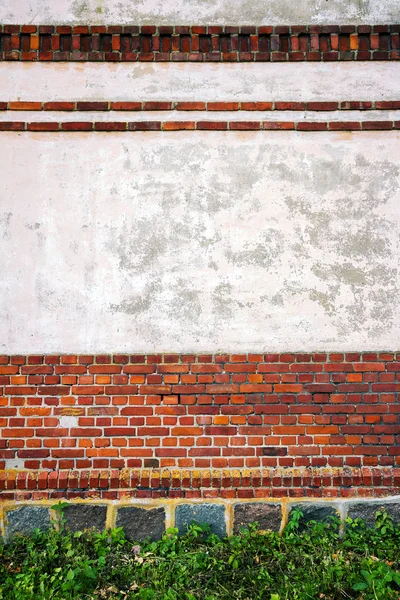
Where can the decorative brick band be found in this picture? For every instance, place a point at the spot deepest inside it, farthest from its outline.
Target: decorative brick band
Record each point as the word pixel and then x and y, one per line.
pixel 200 106
pixel 203 484
pixel 124 126
pixel 200 44
pixel 268 411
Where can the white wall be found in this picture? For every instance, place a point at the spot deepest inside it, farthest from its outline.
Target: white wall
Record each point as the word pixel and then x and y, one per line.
pixel 199 241
pixel 208 82
pixel 199 12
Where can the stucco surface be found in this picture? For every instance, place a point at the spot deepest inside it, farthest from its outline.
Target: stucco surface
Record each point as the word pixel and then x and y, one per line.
pixel 181 81
pixel 199 241
pixel 180 115
pixel 170 12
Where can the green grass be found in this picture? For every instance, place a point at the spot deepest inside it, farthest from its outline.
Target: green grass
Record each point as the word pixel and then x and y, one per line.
pixel 316 563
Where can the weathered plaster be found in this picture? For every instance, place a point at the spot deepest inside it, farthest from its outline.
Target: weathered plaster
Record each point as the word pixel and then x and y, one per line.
pixel 170 12
pixel 199 241
pixel 209 82
pixel 179 115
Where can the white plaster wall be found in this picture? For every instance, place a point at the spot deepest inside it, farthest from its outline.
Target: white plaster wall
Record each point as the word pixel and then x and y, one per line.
pixel 182 115
pixel 208 82
pixel 199 241
pixel 208 12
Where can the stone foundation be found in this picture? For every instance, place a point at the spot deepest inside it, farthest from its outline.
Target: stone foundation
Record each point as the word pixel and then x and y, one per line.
pixel 151 519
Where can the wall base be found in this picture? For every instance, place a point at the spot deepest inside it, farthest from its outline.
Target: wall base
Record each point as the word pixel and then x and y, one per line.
pixel 150 518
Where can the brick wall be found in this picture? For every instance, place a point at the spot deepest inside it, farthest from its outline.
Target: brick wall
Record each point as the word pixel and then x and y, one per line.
pixel 162 430
pixel 287 411
pixel 199 43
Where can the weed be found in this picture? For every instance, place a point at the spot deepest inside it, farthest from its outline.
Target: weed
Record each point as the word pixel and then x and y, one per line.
pixel 316 562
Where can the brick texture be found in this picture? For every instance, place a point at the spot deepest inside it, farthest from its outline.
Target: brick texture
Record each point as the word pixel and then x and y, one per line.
pixel 271 411
pixel 153 484
pixel 200 106
pixel 198 43
pixel 132 126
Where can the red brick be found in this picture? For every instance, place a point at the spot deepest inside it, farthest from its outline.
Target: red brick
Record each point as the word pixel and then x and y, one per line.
pixel 110 126
pixel 369 366
pixel 21 432
pixel 144 126
pixel 61 106
pixel 245 125
pixel 92 106
pixel 126 106
pixel 153 431
pixel 178 125
pixel 250 424
pixel 12 126
pixel 77 126
pixel 387 105
pixel 377 125
pixel 157 105
pixel 120 431
pixel 19 390
pixel 290 106
pixel 186 431
pixel 32 453
pixel 220 430
pixel 256 105
pixel 312 126
pixel 212 125
pixel 190 106
pixel 155 389
pixel 25 106
pixel 344 126
pixel 121 389
pixel 320 388
pixel 278 125
pixel 322 106
pixel 292 388
pixel 37 126
pixel 223 106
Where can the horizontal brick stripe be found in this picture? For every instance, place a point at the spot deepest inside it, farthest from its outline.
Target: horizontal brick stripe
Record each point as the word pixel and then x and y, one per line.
pixel 63 106
pixel 244 411
pixel 198 43
pixel 125 126
pixel 228 484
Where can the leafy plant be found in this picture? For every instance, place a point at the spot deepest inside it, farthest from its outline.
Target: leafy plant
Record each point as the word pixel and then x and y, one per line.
pixel 315 562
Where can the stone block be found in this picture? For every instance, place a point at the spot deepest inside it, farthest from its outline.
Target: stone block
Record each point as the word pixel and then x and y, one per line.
pixel 315 512
pixel 268 516
pixel 85 516
pixel 367 510
pixel 140 523
pixel 213 514
pixel 25 519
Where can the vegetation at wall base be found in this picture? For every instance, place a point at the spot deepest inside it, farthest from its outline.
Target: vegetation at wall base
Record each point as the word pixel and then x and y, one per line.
pixel 313 561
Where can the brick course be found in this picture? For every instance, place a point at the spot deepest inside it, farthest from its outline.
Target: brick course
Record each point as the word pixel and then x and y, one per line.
pixel 132 126
pixel 255 411
pixel 200 484
pixel 200 106
pixel 199 44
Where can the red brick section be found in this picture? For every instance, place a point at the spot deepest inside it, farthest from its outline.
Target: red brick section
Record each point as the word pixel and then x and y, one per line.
pixel 288 411
pixel 123 126
pixel 112 484
pixel 201 106
pixel 198 43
